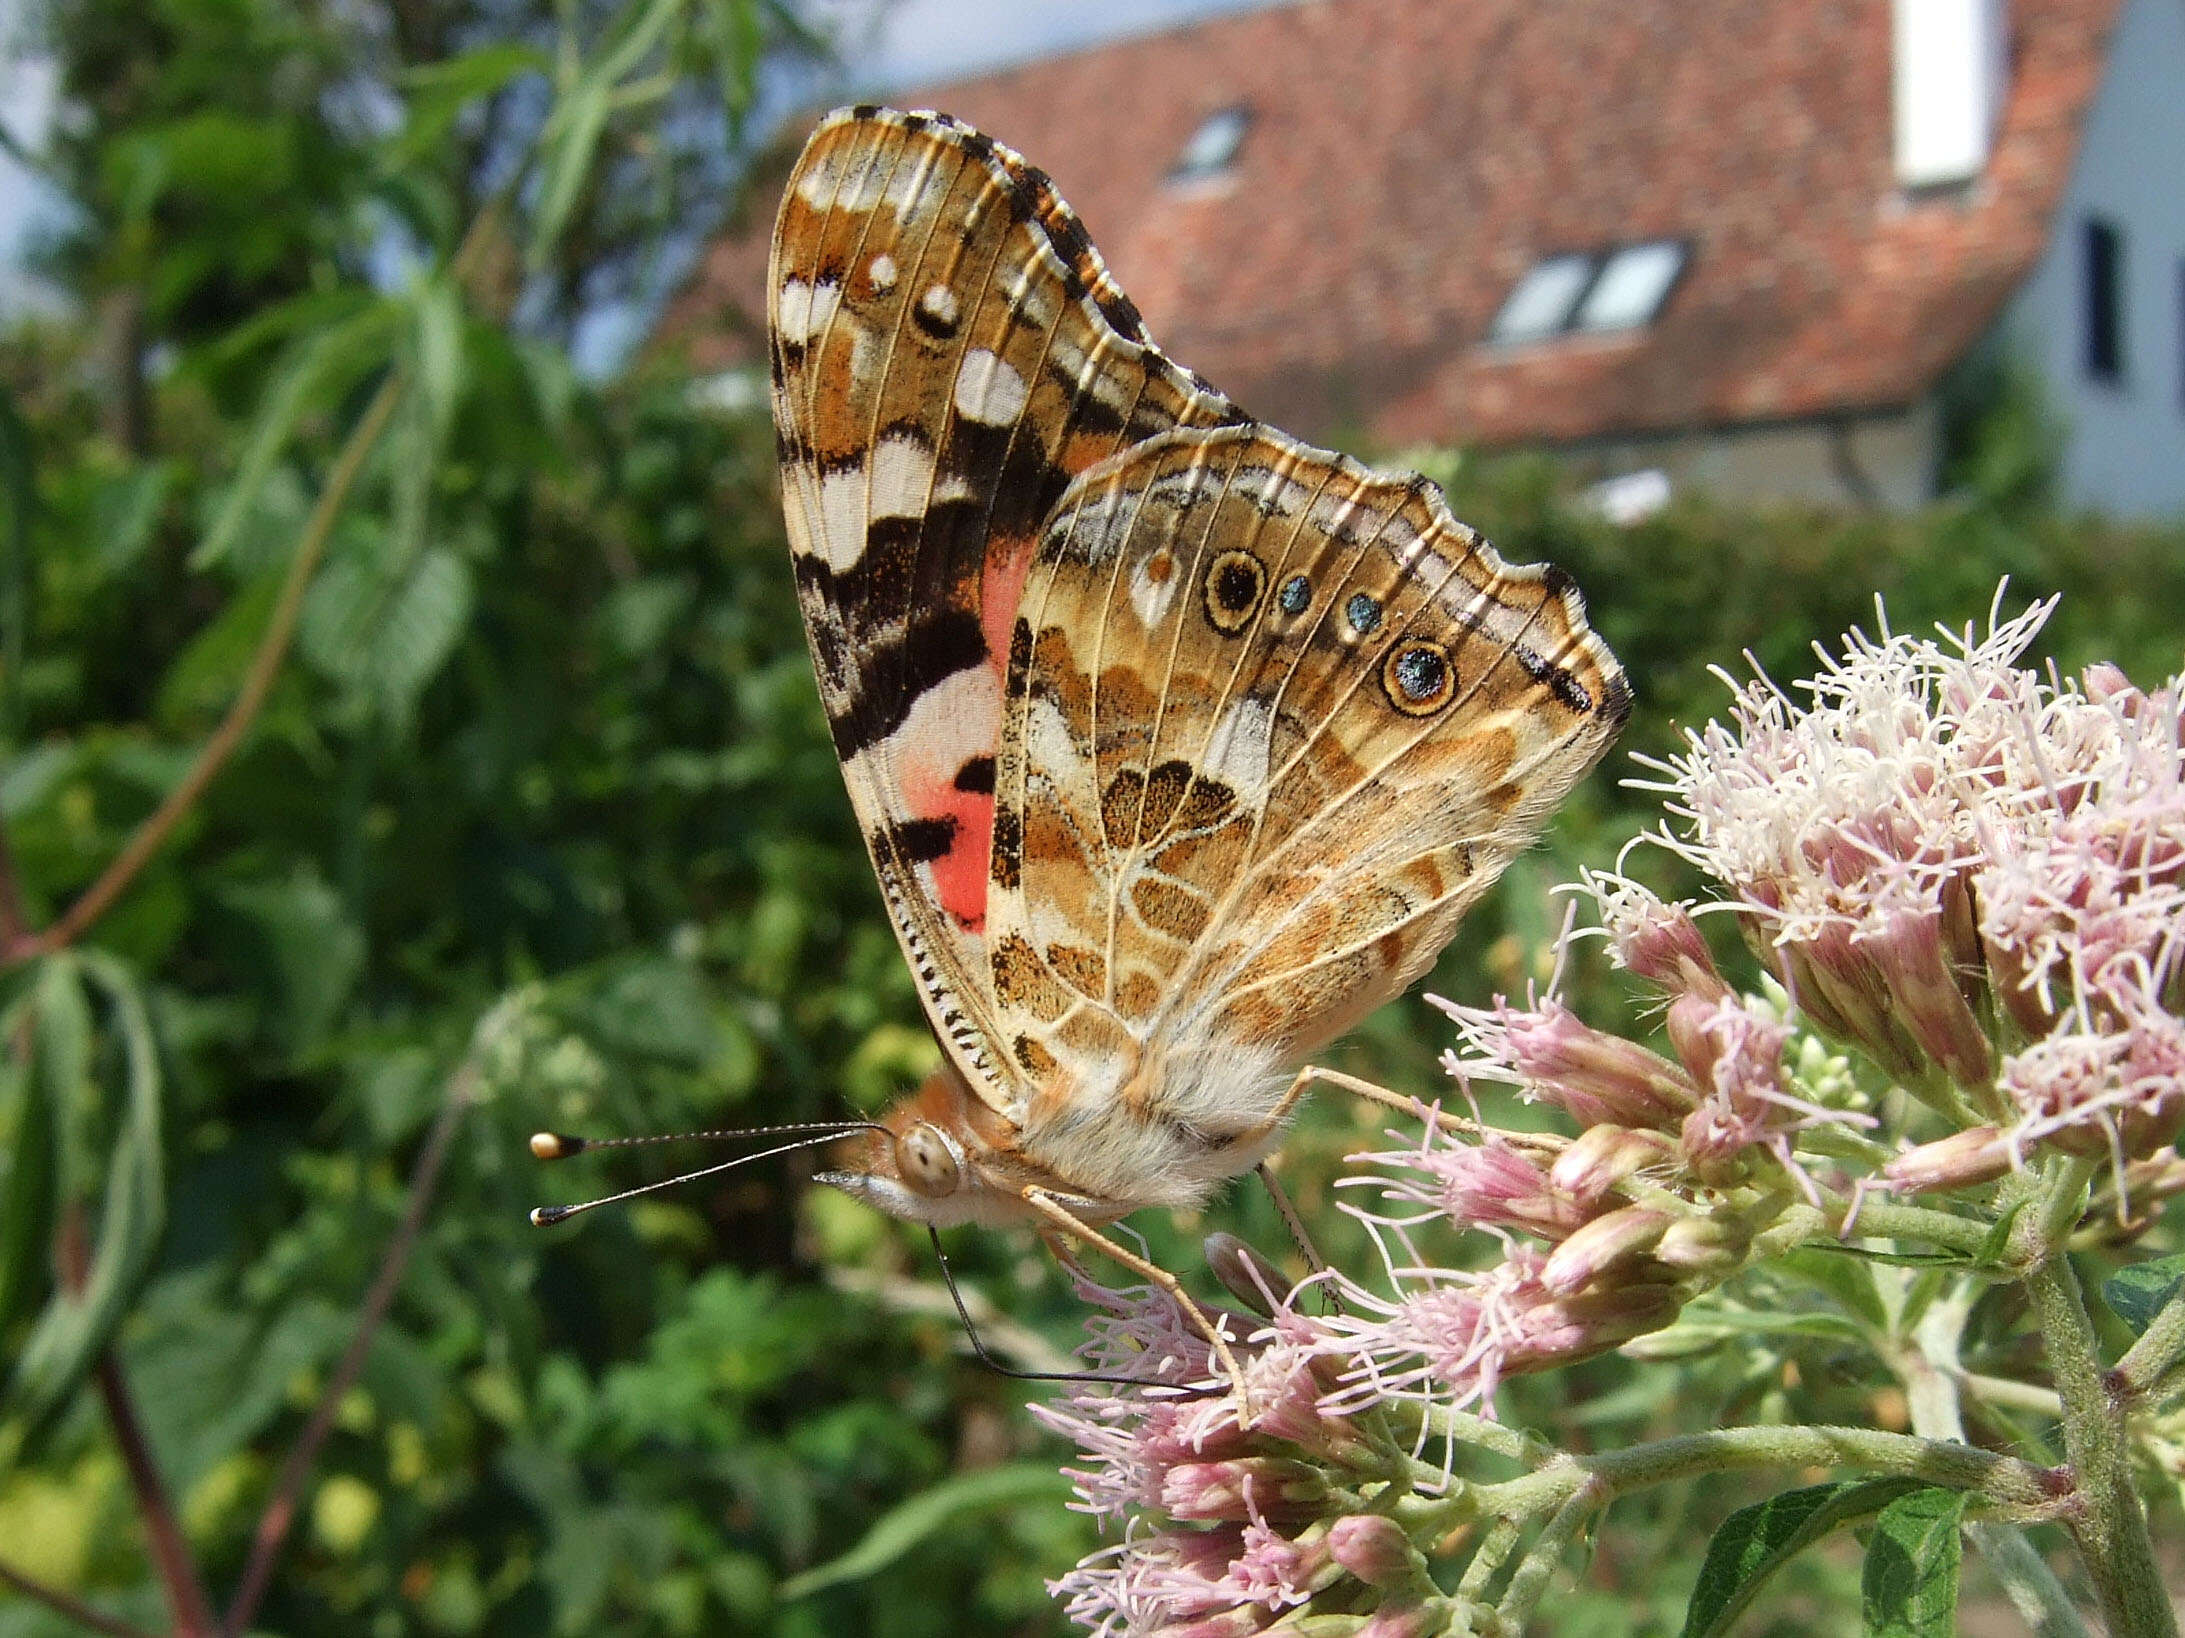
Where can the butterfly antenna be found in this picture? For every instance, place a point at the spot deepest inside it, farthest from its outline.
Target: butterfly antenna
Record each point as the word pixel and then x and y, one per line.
pixel 560 1145
pixel 978 1346
pixel 555 1146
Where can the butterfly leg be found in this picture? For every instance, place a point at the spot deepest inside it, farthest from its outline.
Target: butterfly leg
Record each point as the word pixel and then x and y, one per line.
pixel 1417 1109
pixel 1062 1218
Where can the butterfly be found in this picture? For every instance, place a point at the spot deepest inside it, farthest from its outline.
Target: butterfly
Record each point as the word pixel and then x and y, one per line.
pixel 1178 744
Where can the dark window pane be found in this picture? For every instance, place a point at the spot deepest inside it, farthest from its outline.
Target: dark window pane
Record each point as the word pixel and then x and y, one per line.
pixel 2103 273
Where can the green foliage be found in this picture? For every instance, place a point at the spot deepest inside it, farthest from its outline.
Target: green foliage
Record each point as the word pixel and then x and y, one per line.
pixel 2137 1292
pixel 1755 1542
pixel 1910 1586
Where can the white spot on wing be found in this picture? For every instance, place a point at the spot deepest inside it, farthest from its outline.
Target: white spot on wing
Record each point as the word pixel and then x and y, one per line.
pixel 988 389
pixel 805 309
pixel 939 304
pixel 842 517
pixel 958 717
pixel 882 273
pixel 902 477
pixel 1153 587
pixel 1237 751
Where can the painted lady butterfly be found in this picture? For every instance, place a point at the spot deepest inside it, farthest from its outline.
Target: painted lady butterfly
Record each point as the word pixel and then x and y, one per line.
pixel 1179 745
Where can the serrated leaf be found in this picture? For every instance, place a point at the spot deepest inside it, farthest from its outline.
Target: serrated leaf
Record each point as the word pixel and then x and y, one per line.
pixel 905 1526
pixel 1909 1586
pixel 1755 1542
pixel 383 631
pixel 76 1325
pixel 2138 1293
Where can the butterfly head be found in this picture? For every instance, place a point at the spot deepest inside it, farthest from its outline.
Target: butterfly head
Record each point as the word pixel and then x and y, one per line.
pixel 940 1156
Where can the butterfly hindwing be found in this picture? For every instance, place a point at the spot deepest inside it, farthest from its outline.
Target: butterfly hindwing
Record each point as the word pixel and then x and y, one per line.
pixel 1273 722
pixel 948 353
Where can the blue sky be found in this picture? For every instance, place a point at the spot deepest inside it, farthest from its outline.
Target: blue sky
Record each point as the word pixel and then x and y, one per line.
pixel 892 42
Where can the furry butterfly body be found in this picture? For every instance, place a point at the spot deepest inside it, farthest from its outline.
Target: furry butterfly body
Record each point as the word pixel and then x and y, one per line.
pixel 1177 743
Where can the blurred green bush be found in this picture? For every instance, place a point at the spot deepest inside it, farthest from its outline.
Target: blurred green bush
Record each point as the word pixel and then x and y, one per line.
pixel 546 732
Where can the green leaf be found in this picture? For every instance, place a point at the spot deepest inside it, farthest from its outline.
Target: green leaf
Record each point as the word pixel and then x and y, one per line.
pixel 1755 1542
pixel 438 341
pixel 904 1527
pixel 383 629
pixel 2136 1294
pixel 581 118
pixel 308 951
pixel 317 368
pixel 1909 1587
pixel 439 92
pixel 76 1325
pixel 27 1177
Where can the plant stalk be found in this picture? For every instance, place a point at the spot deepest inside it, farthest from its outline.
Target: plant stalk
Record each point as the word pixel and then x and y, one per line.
pixel 2105 1518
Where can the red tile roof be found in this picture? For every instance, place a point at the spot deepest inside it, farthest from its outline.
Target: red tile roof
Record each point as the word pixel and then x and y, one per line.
pixel 1408 160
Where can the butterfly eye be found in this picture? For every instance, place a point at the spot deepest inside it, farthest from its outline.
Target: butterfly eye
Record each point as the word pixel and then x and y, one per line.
pixel 1418 678
pixel 1233 587
pixel 926 1161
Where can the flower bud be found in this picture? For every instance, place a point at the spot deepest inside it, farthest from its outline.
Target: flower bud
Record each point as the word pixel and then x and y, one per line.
pixel 1908 953
pixel 1979 1154
pixel 1374 1549
pixel 1602 1157
pixel 1661 943
pixel 1494 1186
pixel 1245 1274
pixel 2105 680
pixel 1240 1622
pixel 1267 1487
pixel 1600 1078
pixel 1703 1245
pixel 1603 1247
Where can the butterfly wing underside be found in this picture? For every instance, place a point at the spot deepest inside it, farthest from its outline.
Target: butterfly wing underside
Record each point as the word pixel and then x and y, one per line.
pixel 1273 722
pixel 948 352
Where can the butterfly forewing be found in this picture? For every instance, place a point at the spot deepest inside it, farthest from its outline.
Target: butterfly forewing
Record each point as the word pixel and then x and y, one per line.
pixel 948 351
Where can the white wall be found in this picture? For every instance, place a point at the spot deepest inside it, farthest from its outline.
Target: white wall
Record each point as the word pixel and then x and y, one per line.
pixel 2126 448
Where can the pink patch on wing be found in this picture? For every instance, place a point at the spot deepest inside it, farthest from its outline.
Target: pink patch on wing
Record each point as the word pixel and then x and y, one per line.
pixel 1001 588
pixel 959 875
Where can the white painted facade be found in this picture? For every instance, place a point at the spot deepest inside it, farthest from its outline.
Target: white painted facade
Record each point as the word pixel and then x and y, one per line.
pixel 2124 449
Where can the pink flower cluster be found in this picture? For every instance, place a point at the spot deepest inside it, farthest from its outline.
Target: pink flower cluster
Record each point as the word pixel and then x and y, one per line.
pixel 1973 874
pixel 1226 1526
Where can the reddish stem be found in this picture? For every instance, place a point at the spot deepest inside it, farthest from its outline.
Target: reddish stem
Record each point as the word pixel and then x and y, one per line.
pixel 280 1508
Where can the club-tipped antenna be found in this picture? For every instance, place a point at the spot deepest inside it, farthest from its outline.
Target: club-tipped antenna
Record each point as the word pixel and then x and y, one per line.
pixel 561 1145
pixel 549 1146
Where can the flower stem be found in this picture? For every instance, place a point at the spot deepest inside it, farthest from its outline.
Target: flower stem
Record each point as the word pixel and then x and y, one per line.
pixel 2002 1481
pixel 2105 1519
pixel 2156 1354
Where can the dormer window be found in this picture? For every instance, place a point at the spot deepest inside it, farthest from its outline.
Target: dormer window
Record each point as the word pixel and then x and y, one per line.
pixel 1631 286
pixel 1593 292
pixel 1213 146
pixel 1544 299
